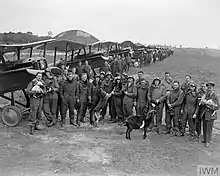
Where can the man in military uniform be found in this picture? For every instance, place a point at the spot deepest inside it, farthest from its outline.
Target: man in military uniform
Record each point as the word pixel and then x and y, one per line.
pixel 106 68
pixel 50 98
pixel 167 83
pixel 157 95
pixel 87 69
pixel 209 115
pixel 186 85
pixel 128 62
pixel 69 93
pixel 140 76
pixel 79 69
pixel 95 86
pixel 114 66
pixel 84 97
pixel 201 93
pixel 36 90
pixel 102 76
pixel 142 97
pixel 130 94
pixel 118 98
pixel 174 101
pixel 108 88
pixel 60 81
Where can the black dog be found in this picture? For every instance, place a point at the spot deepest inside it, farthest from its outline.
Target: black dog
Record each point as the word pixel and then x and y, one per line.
pixel 136 122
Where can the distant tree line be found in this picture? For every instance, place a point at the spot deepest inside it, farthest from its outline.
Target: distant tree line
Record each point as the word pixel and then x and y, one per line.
pixel 19 37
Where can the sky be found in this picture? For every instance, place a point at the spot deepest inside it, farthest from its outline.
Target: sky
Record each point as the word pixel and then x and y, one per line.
pixel 194 23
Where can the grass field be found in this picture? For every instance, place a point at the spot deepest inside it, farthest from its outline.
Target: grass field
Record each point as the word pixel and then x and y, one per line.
pixel 104 150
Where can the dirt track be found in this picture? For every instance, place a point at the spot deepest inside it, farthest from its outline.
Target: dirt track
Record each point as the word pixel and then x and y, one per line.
pixel 105 151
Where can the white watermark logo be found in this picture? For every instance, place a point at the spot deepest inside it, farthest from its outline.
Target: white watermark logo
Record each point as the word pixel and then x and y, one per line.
pixel 208 170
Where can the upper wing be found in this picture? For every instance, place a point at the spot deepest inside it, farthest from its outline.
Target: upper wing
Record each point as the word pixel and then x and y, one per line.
pixel 64 45
pixel 104 43
pixel 11 48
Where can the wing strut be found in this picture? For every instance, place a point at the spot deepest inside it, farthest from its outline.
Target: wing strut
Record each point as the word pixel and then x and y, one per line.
pixel 55 55
pixel 72 55
pixel 19 52
pixel 66 53
pixel 84 49
pixel 44 55
pixel 31 51
pixel 3 60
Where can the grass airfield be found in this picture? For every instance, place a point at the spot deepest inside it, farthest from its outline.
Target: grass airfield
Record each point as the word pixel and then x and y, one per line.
pixel 104 150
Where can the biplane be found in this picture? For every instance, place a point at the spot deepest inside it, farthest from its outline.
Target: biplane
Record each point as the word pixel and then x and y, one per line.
pixel 73 53
pixel 77 46
pixel 16 75
pixel 112 48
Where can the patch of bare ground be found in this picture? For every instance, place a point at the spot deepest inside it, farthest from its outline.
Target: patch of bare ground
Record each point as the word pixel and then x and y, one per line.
pixel 102 151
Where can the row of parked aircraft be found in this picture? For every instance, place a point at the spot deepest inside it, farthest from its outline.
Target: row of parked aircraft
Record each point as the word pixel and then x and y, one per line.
pixel 15 75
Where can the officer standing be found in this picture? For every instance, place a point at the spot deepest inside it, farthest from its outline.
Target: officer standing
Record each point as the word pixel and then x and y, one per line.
pixel 201 93
pixel 209 115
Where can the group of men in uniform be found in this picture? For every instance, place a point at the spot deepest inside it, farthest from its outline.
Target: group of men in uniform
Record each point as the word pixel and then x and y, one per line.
pixel 144 58
pixel 121 63
pixel 79 89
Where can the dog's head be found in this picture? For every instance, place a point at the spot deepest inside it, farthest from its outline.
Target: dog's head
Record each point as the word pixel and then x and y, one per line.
pixel 150 114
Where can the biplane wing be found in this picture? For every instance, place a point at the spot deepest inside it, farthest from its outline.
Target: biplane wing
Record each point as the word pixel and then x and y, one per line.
pixel 4 48
pixel 63 45
pixel 104 43
pixel 12 83
pixel 77 36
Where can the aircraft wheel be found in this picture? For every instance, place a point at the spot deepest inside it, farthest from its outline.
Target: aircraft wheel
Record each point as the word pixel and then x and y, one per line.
pixel 11 115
